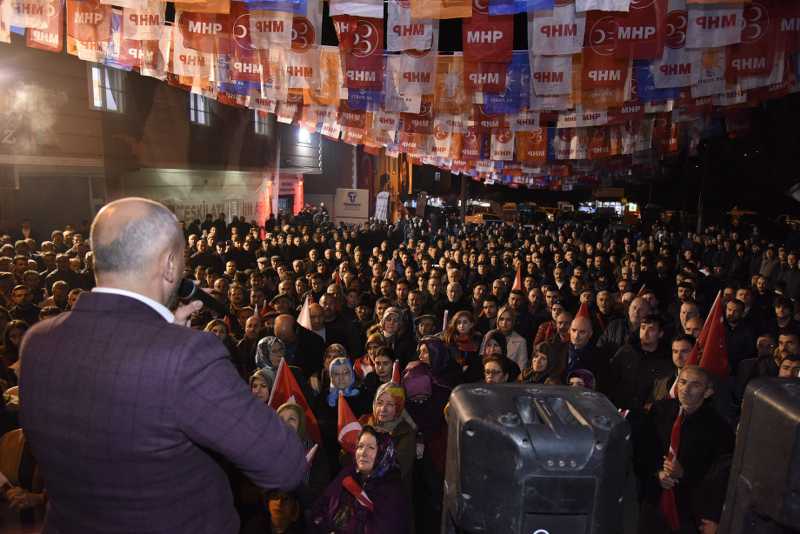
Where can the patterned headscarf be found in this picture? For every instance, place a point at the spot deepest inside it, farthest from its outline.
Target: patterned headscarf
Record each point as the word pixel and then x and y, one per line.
pixel 264 349
pixel 398 395
pixel 393 310
pixel 350 390
pixel 386 457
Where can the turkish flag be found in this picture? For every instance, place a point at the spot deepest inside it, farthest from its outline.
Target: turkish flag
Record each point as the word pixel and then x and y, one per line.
pixel 349 428
pixel 711 352
pixel 486 37
pixel 286 389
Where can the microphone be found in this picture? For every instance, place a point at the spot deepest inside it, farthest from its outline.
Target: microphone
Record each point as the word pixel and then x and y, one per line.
pixel 189 291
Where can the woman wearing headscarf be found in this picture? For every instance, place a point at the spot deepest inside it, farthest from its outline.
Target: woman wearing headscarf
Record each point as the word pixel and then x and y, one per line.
pixel 332 351
pixel 443 368
pixel 463 341
pixel 269 352
pixel 367 496
pixel 326 405
pixel 286 508
pixel 249 497
pixel 388 416
pixel 494 345
pixel 426 398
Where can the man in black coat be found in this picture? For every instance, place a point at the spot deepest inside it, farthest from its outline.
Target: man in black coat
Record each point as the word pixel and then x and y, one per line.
pixel 337 328
pixel 739 338
pixel 698 475
pixel 625 329
pixel 636 366
pixel 304 348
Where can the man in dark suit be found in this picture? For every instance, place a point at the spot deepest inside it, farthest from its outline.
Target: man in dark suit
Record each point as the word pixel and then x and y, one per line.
pixel 124 408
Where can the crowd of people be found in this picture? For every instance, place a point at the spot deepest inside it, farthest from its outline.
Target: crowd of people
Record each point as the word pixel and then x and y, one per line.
pixel 391 318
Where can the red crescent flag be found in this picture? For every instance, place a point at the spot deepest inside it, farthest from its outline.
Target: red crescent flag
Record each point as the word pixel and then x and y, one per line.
pixel 668 504
pixel 350 484
pixel 710 352
pixel 349 427
pixel 286 389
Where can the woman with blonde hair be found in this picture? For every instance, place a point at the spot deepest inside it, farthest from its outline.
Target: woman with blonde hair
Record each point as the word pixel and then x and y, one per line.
pixel 219 328
pixel 516 346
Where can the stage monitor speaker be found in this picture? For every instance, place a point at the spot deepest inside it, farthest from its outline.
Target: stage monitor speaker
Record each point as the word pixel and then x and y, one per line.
pixel 534 460
pixel 764 487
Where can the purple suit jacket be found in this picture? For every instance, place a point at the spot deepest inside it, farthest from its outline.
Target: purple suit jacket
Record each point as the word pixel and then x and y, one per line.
pixel 122 410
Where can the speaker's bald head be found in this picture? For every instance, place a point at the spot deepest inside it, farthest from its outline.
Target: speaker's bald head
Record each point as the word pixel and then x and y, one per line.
pixel 127 235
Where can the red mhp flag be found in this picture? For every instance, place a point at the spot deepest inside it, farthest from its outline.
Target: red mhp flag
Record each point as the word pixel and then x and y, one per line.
pixel 754 56
pixel 50 38
pixel 710 351
pixel 349 427
pixel 668 504
pixel 88 21
pixel 531 146
pixel 486 37
pixel 640 32
pixel 205 32
pixel 286 389
pixel 361 46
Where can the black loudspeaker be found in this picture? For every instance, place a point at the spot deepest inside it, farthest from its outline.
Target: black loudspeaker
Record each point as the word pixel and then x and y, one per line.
pixel 534 460
pixel 764 486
